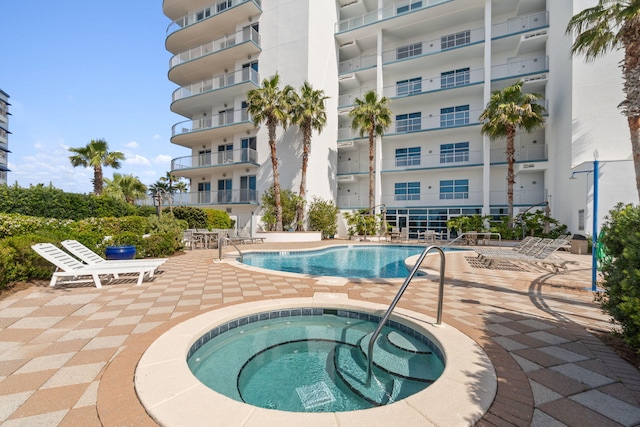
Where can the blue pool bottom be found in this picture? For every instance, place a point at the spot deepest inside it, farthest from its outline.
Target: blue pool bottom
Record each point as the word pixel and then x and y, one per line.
pixel 312 360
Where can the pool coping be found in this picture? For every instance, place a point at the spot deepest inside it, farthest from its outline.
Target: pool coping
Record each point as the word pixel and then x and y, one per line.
pixel 172 396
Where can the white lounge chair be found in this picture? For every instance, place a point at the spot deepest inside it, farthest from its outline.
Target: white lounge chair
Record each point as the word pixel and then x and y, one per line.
pixel 89 257
pixel 70 268
pixel 242 234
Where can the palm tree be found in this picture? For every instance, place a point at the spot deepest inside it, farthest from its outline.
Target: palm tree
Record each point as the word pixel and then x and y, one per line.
pixel 127 187
pixel 160 190
pixel 507 111
pixel 611 25
pixel 308 112
pixel 271 105
pixel 371 116
pixel 96 154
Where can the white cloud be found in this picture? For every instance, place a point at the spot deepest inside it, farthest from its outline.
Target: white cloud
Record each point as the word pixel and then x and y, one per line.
pixel 157 136
pixel 137 159
pixel 163 159
pixel 132 144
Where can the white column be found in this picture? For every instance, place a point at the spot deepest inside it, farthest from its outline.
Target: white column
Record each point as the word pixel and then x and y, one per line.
pixel 378 154
pixel 486 142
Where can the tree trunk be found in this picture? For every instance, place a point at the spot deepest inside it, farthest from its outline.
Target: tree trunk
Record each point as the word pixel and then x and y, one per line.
pixel 306 148
pixel 511 179
pixel 97 180
pixel 634 130
pixel 276 180
pixel 372 151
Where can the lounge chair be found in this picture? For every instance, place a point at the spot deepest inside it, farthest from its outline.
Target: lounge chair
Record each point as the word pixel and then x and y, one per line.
pixel 86 255
pixel 235 238
pixel 242 233
pixel 541 254
pixel 70 268
pixel 523 247
pixel 427 236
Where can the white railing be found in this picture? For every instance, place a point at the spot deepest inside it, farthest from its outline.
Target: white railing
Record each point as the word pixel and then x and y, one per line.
pixel 434 83
pixel 520 197
pixel 227 118
pixel 519 67
pixel 520 24
pixel 217 197
pixel 523 154
pixel 394 10
pixel 208 11
pixel 218 82
pixel 355 64
pixel 226 42
pixel 219 158
pixel 434 199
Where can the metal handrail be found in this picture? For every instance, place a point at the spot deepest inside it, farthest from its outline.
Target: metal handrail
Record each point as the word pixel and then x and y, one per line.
pixel 399 295
pixel 221 240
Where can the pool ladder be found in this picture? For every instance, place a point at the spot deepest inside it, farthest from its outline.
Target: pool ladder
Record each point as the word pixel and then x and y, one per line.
pixel 386 316
pixel 222 241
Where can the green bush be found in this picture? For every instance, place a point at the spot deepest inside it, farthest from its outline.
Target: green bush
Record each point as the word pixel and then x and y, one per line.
pixel 195 217
pixel 620 254
pixel 362 223
pixel 289 202
pixel 218 219
pixel 323 216
pixel 19 263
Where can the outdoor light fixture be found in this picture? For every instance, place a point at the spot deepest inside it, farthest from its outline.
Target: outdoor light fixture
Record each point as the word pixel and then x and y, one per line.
pixel 594 238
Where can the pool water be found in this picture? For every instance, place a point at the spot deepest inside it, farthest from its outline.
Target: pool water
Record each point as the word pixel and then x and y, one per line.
pixel 314 362
pixel 355 261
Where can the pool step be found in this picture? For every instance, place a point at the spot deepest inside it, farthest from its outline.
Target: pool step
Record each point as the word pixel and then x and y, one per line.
pixel 351 368
pixel 405 357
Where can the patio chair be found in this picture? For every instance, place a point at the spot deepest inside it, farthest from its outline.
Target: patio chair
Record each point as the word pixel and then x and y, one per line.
pixel 404 234
pixel 541 254
pixel 521 247
pixel 235 238
pixel 70 268
pixel 192 240
pixel 394 234
pixel 242 234
pixel 86 255
pixel 427 236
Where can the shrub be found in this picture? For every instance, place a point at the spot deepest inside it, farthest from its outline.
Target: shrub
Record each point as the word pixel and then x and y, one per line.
pixel 195 217
pixel 323 216
pixel 19 263
pixel 289 201
pixel 218 219
pixel 620 240
pixel 361 223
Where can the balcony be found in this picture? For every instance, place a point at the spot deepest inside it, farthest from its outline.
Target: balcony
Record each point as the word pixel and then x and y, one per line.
pixel 196 131
pixel 520 197
pixel 220 17
pixel 431 199
pixel 218 197
pixel 518 68
pixel 520 24
pixel 189 100
pixel 389 12
pixel 213 55
pixel 431 161
pixel 530 153
pixel 420 124
pixel 219 159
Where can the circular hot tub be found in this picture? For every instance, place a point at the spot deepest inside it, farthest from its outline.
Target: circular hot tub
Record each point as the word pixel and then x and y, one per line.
pixel 174 396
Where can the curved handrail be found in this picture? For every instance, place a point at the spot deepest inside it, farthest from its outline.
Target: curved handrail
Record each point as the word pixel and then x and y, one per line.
pixel 393 304
pixel 221 240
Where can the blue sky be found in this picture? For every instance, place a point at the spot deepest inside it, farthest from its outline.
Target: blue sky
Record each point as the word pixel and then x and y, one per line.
pixel 78 70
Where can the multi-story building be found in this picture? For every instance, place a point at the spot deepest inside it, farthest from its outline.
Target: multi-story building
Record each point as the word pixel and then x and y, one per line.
pixel 436 60
pixel 4 136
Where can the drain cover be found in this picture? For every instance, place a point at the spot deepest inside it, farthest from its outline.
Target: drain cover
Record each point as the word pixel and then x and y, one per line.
pixel 315 395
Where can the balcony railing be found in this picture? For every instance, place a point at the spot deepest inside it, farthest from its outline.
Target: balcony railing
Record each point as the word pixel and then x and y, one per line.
pixel 356 64
pixel 206 12
pixel 520 24
pixel 388 12
pixel 418 162
pixel 226 42
pixel 227 118
pixel 218 82
pixel 434 199
pixel 419 124
pixel 218 197
pixel 220 158
pixel 523 154
pixel 429 47
pixel 518 67
pixel 520 197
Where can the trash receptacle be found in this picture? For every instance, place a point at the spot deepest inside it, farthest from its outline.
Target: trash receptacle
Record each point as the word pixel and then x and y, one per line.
pixel 579 244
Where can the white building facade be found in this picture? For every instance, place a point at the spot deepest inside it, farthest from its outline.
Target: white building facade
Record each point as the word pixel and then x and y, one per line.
pixel 437 61
pixel 4 136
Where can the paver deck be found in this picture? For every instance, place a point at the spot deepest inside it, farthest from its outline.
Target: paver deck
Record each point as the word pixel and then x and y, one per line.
pixel 68 354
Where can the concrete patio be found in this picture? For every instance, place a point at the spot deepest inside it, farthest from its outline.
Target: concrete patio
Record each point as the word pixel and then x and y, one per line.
pixel 68 354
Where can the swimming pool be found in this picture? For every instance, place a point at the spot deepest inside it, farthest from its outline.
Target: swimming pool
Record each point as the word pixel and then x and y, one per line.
pixel 352 261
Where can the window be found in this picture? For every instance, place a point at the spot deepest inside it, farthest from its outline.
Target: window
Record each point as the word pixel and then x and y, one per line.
pixel 408 156
pixel 204 192
pixel 224 191
pixel 455 78
pixel 453 153
pixel 223 5
pixel 454 40
pixel 407 7
pixel 248 149
pixel 454 189
pixel 407 191
pixel 409 51
pixel 581 220
pixel 411 122
pixel 454 116
pixel 408 87
pixel 248 188
pixel 204 158
pixel 225 153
